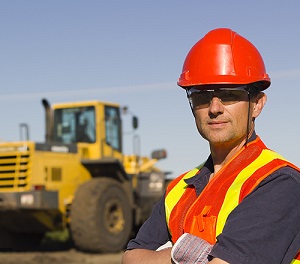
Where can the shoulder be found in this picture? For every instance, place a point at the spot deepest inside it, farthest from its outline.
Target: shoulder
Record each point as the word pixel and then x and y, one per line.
pixel 270 209
pixel 289 172
pixel 174 182
pixel 284 174
pixel 188 174
pixel 282 186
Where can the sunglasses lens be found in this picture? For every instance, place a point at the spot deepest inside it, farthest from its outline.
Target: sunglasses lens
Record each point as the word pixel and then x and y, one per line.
pixel 202 99
pixel 231 97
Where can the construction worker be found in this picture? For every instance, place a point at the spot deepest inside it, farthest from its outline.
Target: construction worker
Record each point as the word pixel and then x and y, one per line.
pixel 242 205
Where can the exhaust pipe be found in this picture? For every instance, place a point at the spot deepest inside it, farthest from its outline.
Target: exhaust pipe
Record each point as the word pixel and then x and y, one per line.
pixel 48 130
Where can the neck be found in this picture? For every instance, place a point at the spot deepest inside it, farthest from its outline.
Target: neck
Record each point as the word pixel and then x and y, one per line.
pixel 222 154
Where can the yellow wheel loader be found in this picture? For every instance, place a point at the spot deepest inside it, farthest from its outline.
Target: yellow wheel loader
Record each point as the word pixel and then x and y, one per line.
pixel 78 178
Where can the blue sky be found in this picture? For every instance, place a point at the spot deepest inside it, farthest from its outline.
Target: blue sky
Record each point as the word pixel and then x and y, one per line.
pixel 131 52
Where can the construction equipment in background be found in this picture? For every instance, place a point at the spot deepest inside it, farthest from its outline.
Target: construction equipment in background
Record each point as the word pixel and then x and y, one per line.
pixel 78 178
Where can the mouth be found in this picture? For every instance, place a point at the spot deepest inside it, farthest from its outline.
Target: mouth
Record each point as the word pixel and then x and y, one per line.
pixel 217 124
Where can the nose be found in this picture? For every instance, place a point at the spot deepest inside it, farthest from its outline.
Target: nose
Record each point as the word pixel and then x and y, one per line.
pixel 216 107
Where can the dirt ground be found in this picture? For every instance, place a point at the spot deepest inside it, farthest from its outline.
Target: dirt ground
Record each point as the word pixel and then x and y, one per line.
pixel 70 256
pixel 56 252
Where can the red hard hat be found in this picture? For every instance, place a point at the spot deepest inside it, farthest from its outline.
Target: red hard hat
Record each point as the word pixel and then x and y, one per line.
pixel 223 57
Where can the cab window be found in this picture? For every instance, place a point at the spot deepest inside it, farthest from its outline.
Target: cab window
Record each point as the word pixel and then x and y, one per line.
pixel 76 124
pixel 113 127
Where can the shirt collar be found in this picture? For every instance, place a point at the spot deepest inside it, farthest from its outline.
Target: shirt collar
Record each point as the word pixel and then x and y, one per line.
pixel 201 178
pixel 208 169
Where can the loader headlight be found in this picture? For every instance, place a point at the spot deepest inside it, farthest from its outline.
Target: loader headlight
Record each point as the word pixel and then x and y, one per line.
pixel 27 199
pixel 156 181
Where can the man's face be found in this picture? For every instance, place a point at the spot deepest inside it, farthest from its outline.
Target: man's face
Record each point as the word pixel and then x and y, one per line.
pixel 225 124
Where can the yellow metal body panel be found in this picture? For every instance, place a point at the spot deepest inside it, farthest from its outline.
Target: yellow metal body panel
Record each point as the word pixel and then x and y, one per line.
pixel 26 166
pixel 62 172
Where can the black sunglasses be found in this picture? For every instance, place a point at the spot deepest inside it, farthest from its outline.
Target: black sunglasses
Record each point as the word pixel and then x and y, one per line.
pixel 202 98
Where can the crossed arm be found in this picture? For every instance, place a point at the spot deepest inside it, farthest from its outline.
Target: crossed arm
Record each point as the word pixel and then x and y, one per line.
pixel 145 256
pixel 187 249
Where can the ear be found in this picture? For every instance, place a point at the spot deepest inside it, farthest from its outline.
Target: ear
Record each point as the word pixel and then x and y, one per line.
pixel 258 104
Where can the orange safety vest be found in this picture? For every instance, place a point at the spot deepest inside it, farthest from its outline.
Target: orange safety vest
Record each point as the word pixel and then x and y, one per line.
pixel 206 215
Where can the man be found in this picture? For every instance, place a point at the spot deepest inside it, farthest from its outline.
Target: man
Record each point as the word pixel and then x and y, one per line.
pixel 243 204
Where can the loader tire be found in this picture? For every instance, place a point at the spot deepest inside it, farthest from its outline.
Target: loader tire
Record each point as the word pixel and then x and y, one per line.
pixel 101 216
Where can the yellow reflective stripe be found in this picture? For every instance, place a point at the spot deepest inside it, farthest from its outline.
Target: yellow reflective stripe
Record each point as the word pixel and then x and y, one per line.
pixel 295 261
pixel 175 194
pixel 233 193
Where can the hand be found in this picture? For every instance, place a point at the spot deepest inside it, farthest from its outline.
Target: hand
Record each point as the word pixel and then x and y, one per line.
pixel 190 249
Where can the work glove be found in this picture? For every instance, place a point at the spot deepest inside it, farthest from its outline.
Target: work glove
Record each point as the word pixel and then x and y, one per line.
pixel 190 249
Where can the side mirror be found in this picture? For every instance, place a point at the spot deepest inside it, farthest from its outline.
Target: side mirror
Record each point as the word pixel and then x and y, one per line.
pixel 159 154
pixel 135 122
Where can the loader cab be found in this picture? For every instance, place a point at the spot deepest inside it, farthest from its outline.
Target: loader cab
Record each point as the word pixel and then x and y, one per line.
pixel 95 127
pixel 75 124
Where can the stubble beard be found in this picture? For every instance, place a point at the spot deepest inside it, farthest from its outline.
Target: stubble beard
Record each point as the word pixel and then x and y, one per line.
pixel 221 137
